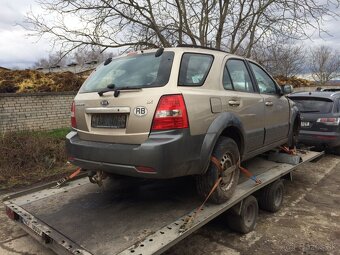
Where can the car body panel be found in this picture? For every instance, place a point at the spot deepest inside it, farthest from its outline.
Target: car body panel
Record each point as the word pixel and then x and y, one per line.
pixel 277 115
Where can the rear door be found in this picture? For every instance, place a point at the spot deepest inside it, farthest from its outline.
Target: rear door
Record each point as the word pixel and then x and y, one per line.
pixel 243 100
pixel 276 117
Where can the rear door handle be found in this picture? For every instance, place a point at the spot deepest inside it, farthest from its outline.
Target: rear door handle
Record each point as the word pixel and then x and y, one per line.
pixel 234 103
pixel 269 103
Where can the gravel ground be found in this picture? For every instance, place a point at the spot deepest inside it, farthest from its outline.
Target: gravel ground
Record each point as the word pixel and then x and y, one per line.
pixel 308 223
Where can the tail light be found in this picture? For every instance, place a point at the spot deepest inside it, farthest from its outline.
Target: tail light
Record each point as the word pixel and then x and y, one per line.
pixel 73 116
pixel 171 113
pixel 145 170
pixel 11 214
pixel 329 121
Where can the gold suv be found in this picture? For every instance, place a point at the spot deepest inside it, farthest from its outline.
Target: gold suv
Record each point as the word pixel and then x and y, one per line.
pixel 180 111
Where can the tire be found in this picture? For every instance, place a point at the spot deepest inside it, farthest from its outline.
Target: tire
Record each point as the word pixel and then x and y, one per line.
pixel 226 152
pixel 244 222
pixel 335 151
pixel 271 196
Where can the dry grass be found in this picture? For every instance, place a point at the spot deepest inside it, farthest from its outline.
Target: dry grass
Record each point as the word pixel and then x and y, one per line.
pixel 296 82
pixel 29 157
pixel 25 81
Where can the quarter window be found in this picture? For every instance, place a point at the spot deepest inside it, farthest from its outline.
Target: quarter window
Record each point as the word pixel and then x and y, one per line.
pixel 239 76
pixel 194 69
pixel 227 84
pixel 265 83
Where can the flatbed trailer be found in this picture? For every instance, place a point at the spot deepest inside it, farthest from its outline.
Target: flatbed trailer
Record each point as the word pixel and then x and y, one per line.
pixel 132 216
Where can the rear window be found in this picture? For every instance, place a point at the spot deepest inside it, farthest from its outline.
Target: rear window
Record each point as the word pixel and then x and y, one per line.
pixel 313 105
pixel 194 69
pixel 140 70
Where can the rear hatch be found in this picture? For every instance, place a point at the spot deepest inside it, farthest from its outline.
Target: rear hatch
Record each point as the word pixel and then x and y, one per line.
pixel 117 102
pixel 317 114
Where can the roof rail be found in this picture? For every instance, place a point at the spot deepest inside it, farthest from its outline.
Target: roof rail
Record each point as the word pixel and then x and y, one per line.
pixel 200 47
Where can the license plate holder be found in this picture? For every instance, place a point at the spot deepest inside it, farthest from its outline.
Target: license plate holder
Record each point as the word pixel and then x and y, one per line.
pixel 108 120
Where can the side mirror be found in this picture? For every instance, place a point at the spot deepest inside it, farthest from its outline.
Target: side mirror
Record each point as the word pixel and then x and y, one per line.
pixel 287 89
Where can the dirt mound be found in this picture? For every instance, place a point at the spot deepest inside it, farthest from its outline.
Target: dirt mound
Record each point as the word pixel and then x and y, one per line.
pixel 296 82
pixel 26 81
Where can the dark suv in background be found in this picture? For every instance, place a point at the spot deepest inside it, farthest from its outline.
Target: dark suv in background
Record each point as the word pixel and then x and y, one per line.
pixel 320 118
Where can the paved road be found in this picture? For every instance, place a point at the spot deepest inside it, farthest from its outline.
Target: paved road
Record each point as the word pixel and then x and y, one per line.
pixel 308 223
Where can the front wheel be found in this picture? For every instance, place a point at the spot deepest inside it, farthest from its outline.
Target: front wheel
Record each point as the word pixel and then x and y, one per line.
pixel 227 154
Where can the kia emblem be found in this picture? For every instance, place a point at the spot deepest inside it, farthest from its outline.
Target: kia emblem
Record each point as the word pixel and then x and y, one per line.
pixel 104 103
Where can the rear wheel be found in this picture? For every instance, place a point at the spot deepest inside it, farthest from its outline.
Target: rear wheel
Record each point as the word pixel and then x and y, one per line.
pixel 227 154
pixel 271 196
pixel 335 150
pixel 245 221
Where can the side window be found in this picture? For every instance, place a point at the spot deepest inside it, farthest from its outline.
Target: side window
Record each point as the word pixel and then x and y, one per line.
pixel 265 83
pixel 194 69
pixel 226 80
pixel 239 76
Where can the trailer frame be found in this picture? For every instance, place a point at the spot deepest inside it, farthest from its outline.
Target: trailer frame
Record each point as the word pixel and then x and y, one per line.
pixel 152 243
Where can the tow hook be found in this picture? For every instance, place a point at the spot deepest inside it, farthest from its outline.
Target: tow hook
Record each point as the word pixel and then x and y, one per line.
pixel 97 177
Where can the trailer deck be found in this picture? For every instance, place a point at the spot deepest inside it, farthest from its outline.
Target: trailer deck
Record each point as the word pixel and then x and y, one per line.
pixel 124 217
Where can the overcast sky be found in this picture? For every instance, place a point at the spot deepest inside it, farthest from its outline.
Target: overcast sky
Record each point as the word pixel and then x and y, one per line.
pixel 18 50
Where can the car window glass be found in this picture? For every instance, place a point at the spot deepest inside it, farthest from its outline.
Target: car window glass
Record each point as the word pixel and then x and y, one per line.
pixel 313 105
pixel 140 70
pixel 194 69
pixel 226 80
pixel 239 75
pixel 265 83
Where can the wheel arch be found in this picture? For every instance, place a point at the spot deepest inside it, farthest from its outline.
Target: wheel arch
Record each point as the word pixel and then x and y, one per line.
pixel 226 124
pixel 295 124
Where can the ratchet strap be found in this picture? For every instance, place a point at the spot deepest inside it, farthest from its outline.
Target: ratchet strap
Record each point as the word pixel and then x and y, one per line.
pixel 63 180
pixel 288 151
pixel 189 220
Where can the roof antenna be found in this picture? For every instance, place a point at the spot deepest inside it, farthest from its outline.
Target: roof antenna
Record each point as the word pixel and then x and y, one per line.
pixel 159 52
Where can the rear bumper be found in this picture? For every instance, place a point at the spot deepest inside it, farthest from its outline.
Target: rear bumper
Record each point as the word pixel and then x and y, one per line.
pixel 169 154
pixel 320 139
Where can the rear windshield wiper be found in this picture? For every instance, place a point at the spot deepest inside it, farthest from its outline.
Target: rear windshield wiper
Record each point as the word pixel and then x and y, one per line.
pixel 117 90
pixel 110 87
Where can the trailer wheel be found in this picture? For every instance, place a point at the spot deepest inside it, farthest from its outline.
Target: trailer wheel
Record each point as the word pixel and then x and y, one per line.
pixel 226 152
pixel 271 196
pixel 245 221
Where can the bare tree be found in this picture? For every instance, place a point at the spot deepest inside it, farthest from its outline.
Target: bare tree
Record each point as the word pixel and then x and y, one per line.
pixel 83 56
pixel 53 60
pixel 325 64
pixel 233 25
pixel 80 57
pixel 285 59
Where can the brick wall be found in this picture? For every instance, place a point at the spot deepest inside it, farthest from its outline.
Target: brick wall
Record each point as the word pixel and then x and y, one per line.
pixel 38 111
